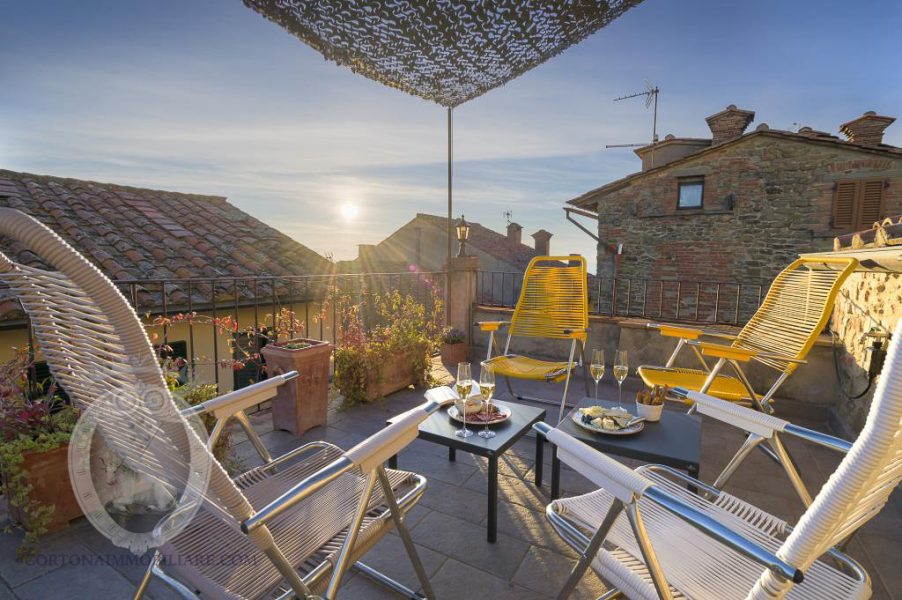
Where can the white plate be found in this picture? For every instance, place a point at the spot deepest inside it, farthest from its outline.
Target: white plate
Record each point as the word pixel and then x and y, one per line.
pixel 577 417
pixel 504 416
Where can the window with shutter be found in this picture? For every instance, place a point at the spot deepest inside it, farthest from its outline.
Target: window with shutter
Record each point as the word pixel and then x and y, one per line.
pixel 857 203
pixel 871 205
pixel 844 204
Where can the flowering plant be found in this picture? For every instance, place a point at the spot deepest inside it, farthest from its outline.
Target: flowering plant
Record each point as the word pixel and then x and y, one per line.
pixel 382 328
pixel 32 420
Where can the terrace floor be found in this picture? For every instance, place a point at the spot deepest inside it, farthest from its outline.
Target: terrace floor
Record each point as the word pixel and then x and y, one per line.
pixel 528 561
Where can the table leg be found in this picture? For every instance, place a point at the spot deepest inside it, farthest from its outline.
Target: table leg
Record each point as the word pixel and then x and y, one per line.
pixel 555 474
pixel 540 445
pixel 493 500
pixel 452 454
pixel 393 461
pixel 693 472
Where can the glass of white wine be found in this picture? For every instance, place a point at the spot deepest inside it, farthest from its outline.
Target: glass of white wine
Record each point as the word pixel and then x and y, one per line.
pixel 464 386
pixel 487 388
pixel 621 370
pixel 596 368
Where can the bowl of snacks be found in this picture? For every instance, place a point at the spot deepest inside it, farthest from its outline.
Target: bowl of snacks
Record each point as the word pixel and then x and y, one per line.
pixel 650 402
pixel 472 405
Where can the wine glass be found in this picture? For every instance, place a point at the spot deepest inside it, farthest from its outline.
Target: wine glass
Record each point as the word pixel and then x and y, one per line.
pixel 621 370
pixel 596 369
pixel 487 388
pixel 464 385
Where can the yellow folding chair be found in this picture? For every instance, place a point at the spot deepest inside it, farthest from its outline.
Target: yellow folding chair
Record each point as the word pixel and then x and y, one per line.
pixel 553 304
pixel 779 335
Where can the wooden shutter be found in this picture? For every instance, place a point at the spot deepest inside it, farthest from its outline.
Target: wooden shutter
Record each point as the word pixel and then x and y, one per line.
pixel 870 206
pixel 844 204
pixel 857 203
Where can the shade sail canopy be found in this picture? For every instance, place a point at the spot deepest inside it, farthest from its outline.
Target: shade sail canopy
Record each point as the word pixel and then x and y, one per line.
pixel 448 52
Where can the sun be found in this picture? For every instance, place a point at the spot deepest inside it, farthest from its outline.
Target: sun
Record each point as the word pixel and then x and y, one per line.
pixel 349 211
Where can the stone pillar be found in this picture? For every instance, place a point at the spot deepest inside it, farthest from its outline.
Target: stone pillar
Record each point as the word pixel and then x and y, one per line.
pixel 461 293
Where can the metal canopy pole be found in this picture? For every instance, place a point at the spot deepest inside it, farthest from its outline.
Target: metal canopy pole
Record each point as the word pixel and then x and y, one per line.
pixel 450 159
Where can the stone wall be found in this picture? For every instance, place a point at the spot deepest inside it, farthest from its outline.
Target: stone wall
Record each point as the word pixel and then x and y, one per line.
pixel 866 301
pixel 767 198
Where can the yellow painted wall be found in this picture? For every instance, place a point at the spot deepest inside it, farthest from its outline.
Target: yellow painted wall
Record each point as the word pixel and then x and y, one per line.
pixel 204 337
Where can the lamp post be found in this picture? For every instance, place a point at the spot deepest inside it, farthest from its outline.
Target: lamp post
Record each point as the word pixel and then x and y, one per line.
pixel 463 232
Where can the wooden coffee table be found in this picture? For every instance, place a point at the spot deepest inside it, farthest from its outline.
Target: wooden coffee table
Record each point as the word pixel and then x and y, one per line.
pixel 674 441
pixel 440 428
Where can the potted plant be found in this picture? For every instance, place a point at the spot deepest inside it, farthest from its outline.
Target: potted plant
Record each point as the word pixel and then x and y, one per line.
pixel 384 342
pixel 650 402
pixel 35 429
pixel 303 402
pixel 454 347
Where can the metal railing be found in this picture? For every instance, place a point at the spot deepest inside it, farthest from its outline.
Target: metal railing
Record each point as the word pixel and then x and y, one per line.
pixel 715 302
pixel 254 303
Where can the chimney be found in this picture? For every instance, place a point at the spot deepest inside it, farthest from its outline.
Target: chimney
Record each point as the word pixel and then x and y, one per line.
pixel 543 242
pixel 513 232
pixel 729 124
pixel 866 129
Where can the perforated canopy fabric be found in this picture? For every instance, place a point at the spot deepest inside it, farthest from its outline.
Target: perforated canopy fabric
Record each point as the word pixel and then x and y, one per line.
pixel 449 51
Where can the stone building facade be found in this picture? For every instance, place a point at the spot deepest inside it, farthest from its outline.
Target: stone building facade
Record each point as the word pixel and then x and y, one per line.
pixel 740 206
pixel 868 311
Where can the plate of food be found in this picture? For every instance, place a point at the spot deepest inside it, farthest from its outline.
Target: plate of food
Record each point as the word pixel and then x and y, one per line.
pixel 477 414
pixel 610 421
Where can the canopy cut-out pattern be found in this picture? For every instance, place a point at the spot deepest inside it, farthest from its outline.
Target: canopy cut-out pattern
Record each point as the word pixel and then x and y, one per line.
pixel 448 52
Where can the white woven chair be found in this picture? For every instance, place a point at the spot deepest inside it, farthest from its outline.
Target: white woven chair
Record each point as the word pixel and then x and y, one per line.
pixel 298 522
pixel 673 543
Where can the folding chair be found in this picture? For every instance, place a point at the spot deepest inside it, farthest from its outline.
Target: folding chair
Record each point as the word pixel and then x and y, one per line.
pixel 553 304
pixel 649 536
pixel 779 335
pixel 289 528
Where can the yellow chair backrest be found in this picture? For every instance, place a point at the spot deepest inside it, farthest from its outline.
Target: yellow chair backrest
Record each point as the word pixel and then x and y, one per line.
pixel 795 310
pixel 554 299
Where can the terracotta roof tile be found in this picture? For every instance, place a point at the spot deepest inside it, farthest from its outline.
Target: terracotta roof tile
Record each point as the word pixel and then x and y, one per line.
pixel 491 242
pixel 135 233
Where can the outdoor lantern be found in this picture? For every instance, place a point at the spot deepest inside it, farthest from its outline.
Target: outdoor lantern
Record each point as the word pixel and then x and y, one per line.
pixel 463 232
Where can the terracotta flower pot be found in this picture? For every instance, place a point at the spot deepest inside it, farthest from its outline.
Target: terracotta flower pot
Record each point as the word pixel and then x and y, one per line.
pixel 303 402
pixel 48 474
pixel 454 353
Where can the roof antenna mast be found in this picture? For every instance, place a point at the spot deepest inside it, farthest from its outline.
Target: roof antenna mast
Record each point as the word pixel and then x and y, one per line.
pixel 508 215
pixel 651 99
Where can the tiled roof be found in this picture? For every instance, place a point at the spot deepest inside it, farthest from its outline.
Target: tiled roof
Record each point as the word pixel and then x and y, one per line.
pixel 491 242
pixel 134 233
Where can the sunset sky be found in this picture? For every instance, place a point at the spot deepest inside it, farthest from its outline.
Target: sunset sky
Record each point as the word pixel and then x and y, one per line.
pixel 209 97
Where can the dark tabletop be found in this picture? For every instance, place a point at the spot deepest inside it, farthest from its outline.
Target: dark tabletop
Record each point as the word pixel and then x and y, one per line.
pixel 675 440
pixel 440 428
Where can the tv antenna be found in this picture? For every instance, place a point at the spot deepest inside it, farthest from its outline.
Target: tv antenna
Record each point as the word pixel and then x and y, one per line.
pixel 651 99
pixel 508 215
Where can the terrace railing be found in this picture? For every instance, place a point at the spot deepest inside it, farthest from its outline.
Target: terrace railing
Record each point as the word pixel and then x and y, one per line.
pixel 260 302
pixel 714 302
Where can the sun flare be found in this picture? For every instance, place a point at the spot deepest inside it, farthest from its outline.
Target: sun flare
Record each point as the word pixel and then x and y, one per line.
pixel 349 211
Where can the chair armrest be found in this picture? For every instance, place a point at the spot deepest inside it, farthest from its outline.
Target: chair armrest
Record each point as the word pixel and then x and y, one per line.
pixel 492 325
pixel 223 407
pixel 366 456
pixel 816 437
pixel 722 351
pixel 689 333
pixel 733 414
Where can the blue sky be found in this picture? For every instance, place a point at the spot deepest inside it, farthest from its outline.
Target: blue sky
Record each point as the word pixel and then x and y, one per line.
pixel 206 96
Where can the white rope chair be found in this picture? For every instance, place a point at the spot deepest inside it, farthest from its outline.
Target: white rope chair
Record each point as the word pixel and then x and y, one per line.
pixel 298 522
pixel 674 543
